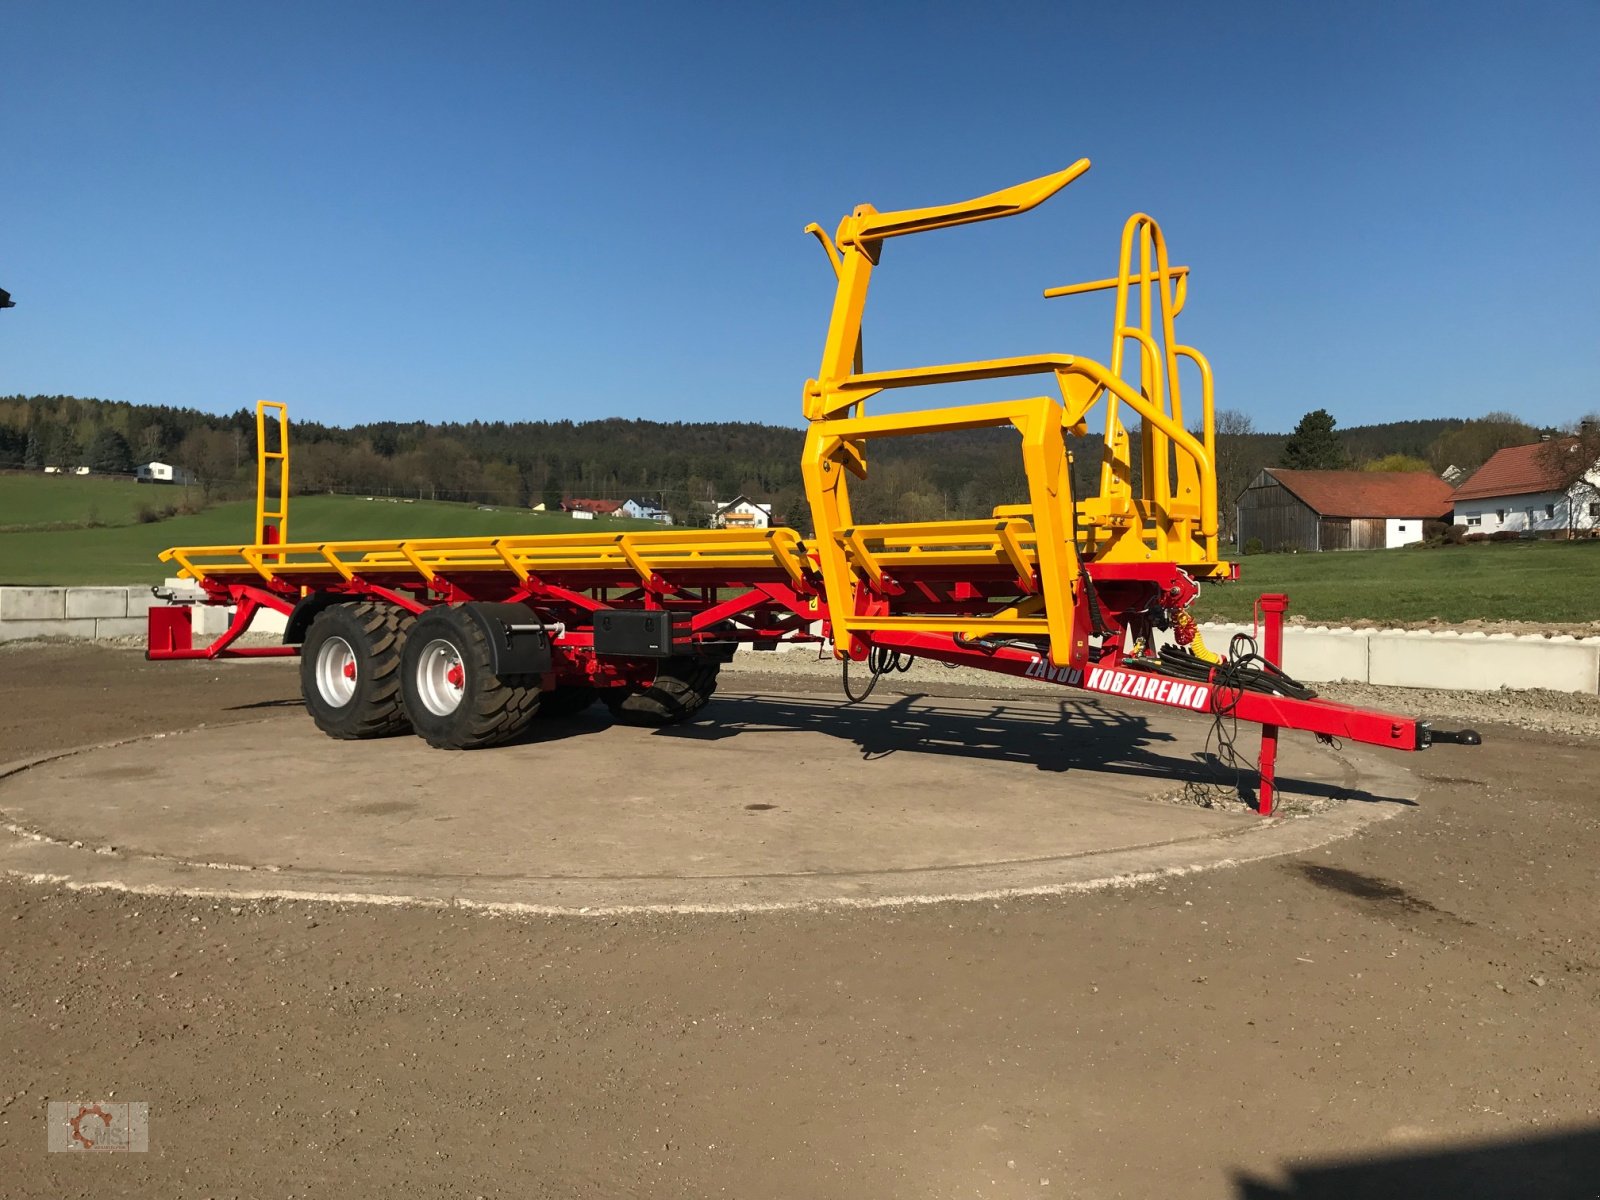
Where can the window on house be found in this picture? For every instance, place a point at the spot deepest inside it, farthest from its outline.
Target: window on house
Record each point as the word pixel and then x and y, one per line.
pixel 1529 512
pixel 1594 508
pixel 1550 510
pixel 1400 528
pixel 1500 515
pixel 1474 520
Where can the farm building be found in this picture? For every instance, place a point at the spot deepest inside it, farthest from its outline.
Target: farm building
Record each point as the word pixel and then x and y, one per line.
pixel 1340 510
pixel 160 472
pixel 588 510
pixel 1520 489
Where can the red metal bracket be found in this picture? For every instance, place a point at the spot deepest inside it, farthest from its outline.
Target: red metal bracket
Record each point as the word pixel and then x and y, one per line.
pixel 171 632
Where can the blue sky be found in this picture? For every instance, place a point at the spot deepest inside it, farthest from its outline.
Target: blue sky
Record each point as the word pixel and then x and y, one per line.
pixel 498 210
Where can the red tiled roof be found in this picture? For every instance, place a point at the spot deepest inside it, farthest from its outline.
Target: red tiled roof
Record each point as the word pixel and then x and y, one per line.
pixel 1514 471
pixel 1368 493
pixel 599 507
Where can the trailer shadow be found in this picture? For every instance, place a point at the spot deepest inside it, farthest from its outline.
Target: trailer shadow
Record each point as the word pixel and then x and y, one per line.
pixel 1057 736
pixel 1563 1165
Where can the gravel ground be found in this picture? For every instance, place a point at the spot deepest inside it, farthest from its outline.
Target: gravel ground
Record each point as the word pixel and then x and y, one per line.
pixel 1414 1011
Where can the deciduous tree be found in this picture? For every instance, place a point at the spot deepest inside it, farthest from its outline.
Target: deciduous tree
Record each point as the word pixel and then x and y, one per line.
pixel 208 455
pixel 1396 462
pixel 1573 460
pixel 1470 446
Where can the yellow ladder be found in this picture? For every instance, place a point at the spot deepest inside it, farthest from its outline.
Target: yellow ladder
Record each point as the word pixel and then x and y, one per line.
pixel 278 515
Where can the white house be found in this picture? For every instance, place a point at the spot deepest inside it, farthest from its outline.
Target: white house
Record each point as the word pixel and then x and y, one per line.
pixel 643 510
pixel 1519 489
pixel 742 513
pixel 160 472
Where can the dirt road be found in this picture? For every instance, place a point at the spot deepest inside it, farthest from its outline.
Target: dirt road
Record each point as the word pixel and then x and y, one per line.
pixel 1412 1011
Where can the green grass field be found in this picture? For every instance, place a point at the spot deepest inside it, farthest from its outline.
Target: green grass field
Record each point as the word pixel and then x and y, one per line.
pixel 1509 581
pixel 128 554
pixel 39 501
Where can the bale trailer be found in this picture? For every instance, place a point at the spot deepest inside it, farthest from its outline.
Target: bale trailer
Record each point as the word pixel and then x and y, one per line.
pixel 465 641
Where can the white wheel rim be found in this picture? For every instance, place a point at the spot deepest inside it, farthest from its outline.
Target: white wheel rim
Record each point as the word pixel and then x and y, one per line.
pixel 336 672
pixel 441 678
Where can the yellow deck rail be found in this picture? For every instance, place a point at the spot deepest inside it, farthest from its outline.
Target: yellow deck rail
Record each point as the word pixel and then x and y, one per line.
pixel 646 556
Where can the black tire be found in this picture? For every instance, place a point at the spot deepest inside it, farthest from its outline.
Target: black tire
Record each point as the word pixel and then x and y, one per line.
pixel 350 670
pixel 681 688
pixel 566 701
pixel 477 710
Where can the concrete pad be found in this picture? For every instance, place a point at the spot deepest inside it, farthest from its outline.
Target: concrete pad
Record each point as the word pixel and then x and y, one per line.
pixel 32 603
pixel 765 801
pixel 97 602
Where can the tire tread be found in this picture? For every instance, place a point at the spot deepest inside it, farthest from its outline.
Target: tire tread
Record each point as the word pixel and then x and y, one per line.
pixel 681 689
pixel 381 630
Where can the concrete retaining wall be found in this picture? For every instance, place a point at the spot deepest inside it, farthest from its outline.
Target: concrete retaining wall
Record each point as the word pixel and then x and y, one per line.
pixel 1474 662
pixel 81 612
pixel 1392 657
pixel 103 612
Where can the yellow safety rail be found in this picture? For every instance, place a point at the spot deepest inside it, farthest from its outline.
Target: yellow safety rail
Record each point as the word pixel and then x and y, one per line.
pixel 1174 483
pixel 650 557
pixel 1173 519
pixel 278 514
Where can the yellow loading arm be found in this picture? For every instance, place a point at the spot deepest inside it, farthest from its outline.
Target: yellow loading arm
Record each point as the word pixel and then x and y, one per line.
pixel 1174 518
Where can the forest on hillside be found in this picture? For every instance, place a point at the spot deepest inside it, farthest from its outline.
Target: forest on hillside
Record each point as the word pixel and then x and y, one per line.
pixel 683 465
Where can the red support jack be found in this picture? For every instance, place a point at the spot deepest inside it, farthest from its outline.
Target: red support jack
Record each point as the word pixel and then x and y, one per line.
pixel 1271 608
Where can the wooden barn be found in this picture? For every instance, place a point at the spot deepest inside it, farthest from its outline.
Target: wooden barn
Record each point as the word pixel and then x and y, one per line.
pixel 1340 510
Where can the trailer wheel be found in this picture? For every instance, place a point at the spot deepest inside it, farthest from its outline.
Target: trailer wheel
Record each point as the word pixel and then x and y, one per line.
pixel 451 693
pixel 568 700
pixel 681 688
pixel 350 670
